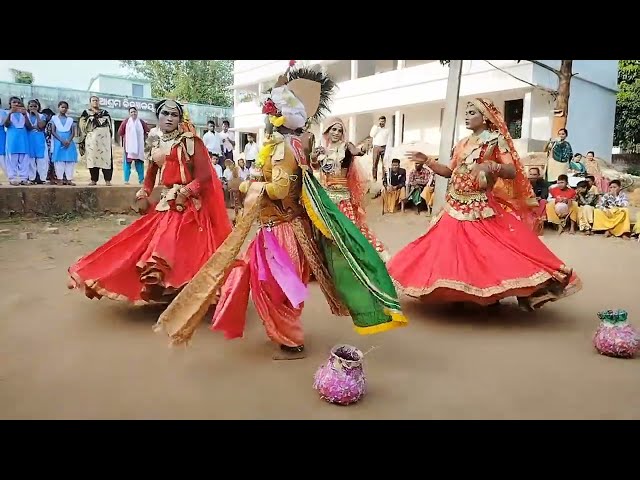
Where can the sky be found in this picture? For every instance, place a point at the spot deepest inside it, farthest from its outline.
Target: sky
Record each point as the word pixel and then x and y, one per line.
pixel 61 73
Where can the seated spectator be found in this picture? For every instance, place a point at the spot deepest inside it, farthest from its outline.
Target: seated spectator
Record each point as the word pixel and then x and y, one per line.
pixel 562 207
pixel 593 168
pixel 244 170
pixel 576 166
pixel 216 166
pixel 587 202
pixel 612 215
pixel 419 179
pixel 232 181
pixel 427 193
pixel 541 189
pixel 593 188
pixel 394 188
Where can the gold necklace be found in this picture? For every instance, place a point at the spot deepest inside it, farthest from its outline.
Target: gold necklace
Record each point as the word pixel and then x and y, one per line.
pixel 166 137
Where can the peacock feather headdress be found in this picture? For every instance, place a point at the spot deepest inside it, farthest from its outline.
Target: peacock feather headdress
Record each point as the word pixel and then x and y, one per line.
pixel 311 87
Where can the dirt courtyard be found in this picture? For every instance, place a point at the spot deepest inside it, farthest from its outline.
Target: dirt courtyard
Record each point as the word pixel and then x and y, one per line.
pixel 63 356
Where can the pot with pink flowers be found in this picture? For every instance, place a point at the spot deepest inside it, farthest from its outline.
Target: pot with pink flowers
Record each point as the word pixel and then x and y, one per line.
pixel 341 380
pixel 615 336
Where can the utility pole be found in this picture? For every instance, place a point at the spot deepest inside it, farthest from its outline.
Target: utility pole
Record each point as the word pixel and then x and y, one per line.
pixel 447 136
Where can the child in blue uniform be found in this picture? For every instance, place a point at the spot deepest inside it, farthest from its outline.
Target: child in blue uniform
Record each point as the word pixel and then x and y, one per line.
pixel 17 149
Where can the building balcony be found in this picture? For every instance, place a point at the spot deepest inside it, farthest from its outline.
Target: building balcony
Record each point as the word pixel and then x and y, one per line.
pixel 251 72
pixel 387 88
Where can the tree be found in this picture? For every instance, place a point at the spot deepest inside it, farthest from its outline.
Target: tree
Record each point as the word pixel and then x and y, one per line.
pixel 196 81
pixel 627 126
pixel 561 107
pixel 20 76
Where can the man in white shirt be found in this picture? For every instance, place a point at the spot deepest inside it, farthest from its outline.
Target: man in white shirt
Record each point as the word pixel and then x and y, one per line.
pixel 216 166
pixel 228 142
pixel 212 140
pixel 380 135
pixel 250 150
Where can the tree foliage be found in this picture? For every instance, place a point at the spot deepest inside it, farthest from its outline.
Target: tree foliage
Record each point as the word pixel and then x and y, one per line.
pixel 627 126
pixel 196 81
pixel 20 76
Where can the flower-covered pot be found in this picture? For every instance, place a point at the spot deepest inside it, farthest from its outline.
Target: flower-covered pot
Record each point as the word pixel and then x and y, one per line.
pixel 341 379
pixel 615 336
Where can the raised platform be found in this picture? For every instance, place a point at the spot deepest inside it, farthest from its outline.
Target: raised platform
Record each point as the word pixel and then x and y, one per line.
pixel 53 200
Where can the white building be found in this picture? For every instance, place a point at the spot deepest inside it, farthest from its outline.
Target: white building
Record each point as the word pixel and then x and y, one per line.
pixel 410 93
pixel 124 86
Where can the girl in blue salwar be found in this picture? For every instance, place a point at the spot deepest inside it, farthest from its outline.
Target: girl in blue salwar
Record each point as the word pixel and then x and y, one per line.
pixel 38 158
pixel 65 153
pixel 17 147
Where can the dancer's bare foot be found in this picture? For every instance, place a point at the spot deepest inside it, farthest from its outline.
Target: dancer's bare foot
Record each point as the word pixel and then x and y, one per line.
pixel 290 353
pixel 560 229
pixel 607 234
pixel 93 184
pixel 108 184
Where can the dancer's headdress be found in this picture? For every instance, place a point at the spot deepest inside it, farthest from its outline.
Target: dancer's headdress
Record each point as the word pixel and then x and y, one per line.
pixel 300 95
pixel 169 105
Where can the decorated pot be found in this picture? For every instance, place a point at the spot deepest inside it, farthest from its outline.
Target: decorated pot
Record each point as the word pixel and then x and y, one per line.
pixel 341 379
pixel 615 336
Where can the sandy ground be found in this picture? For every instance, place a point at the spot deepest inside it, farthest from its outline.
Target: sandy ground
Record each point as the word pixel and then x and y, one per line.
pixel 63 356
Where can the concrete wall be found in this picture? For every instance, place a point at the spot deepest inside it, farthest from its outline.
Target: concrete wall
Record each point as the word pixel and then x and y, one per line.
pixel 592 104
pixel 50 200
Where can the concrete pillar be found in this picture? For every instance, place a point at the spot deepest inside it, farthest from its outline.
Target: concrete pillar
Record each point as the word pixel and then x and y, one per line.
pixel 401 64
pixel 397 131
pixel 354 69
pixel 526 116
pixel 237 148
pixel 351 134
pixel 236 98
pixel 448 130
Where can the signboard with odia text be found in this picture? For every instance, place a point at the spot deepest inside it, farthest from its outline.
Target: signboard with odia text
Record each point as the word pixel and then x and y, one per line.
pixel 113 101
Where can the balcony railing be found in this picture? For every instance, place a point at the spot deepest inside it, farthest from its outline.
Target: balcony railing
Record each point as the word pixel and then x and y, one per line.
pixel 414 85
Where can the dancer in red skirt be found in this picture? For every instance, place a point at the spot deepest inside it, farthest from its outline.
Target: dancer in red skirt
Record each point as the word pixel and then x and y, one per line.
pixel 156 256
pixel 482 247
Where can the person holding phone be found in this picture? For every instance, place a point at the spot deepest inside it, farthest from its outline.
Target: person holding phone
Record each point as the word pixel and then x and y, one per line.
pixel 38 157
pixel 17 148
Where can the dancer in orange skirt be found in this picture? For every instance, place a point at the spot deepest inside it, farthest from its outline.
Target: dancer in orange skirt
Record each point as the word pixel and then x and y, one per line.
pixel 482 247
pixel 151 260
